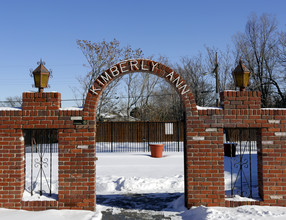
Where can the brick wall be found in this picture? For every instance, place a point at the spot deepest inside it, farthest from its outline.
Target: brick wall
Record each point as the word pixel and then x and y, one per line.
pixel 204 153
pixel 76 164
pixel 11 159
pixel 242 110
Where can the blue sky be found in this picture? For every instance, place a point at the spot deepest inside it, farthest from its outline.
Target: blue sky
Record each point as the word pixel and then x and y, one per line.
pixel 35 29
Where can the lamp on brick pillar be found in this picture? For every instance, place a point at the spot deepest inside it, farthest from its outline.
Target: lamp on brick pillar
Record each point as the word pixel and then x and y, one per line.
pixel 41 76
pixel 241 76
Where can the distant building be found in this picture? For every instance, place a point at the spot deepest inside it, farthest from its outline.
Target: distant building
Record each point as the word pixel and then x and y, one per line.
pixel 115 116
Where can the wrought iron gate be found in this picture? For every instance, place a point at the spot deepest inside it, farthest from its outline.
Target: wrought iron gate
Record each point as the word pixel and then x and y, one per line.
pixel 241 162
pixel 41 149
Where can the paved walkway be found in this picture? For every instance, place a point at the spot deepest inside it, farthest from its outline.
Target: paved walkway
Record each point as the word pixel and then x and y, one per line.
pixel 138 206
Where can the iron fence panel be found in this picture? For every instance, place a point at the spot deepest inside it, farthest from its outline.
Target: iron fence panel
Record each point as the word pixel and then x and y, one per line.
pixel 41 148
pixel 242 163
pixel 136 136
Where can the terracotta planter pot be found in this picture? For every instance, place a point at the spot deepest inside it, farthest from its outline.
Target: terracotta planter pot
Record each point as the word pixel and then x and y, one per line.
pixel 156 150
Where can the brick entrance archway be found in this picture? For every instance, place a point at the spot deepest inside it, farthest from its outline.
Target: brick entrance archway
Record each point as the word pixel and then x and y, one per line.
pixel 203 154
pixel 202 186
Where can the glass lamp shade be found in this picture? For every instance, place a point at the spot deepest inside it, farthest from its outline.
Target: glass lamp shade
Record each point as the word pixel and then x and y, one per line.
pixel 241 76
pixel 41 80
pixel 41 77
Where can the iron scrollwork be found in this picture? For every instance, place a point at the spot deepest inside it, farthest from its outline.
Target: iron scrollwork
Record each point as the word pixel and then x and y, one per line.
pixel 241 163
pixel 41 160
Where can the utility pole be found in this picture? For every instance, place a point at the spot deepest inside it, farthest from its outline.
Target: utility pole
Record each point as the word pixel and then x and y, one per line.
pixel 217 82
pixel 215 70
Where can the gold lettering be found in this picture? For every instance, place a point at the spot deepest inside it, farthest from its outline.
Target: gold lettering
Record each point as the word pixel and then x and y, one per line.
pixel 170 75
pixel 114 71
pixel 101 83
pixel 134 66
pixel 93 90
pixel 142 66
pixel 133 63
pixel 184 88
pixel 105 78
pixel 154 65
pixel 178 83
pixel 122 68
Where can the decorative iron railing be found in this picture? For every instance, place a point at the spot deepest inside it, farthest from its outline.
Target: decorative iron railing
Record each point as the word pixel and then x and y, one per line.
pixel 41 149
pixel 136 136
pixel 241 162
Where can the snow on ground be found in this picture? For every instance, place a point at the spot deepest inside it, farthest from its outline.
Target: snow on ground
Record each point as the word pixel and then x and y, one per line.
pixel 9 214
pixel 10 108
pixel 137 186
pixel 139 173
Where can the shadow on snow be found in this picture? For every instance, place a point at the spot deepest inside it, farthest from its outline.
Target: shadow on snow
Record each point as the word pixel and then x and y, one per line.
pixel 148 201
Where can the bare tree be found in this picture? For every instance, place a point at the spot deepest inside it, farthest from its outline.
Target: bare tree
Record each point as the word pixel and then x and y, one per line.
pixel 139 87
pixel 167 104
pixel 138 90
pixel 101 56
pixel 282 49
pixel 225 64
pixel 193 71
pixel 258 48
pixel 12 101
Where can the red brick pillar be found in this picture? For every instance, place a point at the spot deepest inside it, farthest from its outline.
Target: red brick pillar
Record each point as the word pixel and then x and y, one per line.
pixel 40 105
pixel 11 159
pixel 272 163
pixel 241 100
pixel 207 159
pixel 77 167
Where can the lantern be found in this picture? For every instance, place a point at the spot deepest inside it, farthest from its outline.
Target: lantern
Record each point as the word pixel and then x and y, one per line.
pixel 241 76
pixel 41 76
